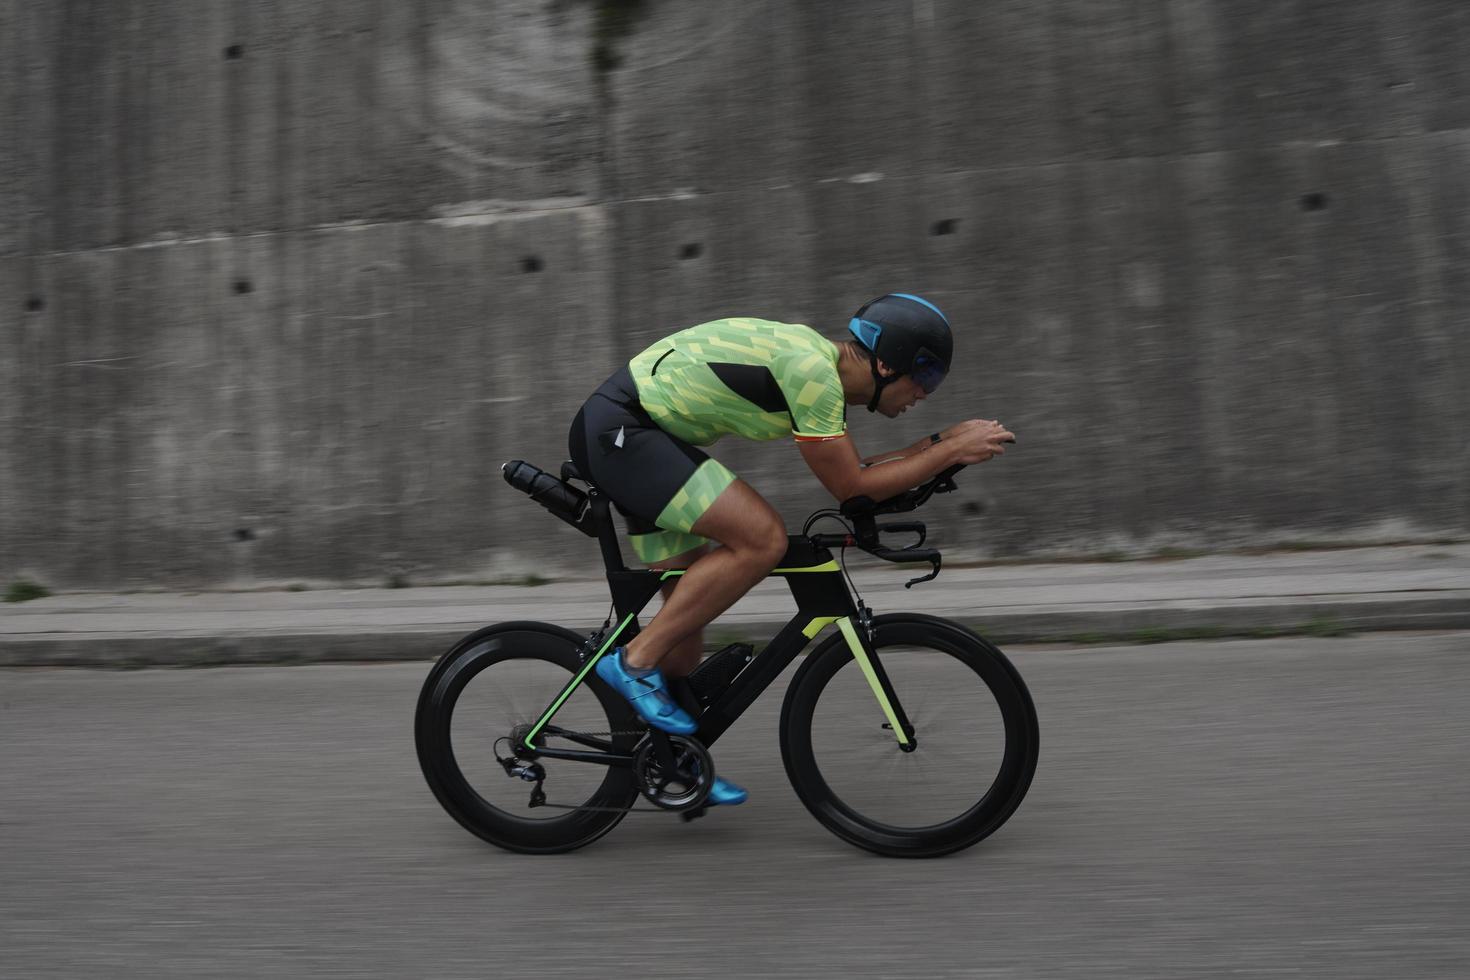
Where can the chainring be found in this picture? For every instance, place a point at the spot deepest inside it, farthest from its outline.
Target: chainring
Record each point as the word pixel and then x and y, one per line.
pixel 687 786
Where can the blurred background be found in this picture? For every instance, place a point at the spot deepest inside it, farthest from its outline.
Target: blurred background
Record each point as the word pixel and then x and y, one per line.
pixel 283 283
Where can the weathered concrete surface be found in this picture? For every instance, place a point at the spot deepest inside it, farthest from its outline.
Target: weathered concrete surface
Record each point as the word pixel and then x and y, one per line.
pixel 1275 808
pixel 281 284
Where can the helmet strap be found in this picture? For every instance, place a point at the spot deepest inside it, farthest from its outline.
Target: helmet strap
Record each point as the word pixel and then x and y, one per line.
pixel 879 382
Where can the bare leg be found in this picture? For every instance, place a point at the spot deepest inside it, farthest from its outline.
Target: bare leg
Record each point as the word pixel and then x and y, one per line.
pixel 684 655
pixel 754 540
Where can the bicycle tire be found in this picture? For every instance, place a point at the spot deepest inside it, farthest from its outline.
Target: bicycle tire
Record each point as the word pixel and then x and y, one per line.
pixel 433 739
pixel 997 801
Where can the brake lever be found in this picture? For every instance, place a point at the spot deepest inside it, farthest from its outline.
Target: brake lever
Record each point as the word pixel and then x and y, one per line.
pixel 935 560
pixel 911 554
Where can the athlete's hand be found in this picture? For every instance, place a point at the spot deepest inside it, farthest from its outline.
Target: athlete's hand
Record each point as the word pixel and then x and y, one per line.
pixel 976 440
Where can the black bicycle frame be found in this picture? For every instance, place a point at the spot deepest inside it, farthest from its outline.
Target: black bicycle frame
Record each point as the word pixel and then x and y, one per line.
pixel 822 599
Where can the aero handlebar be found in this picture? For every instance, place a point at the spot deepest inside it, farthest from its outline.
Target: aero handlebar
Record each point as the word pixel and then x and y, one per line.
pixel 864 511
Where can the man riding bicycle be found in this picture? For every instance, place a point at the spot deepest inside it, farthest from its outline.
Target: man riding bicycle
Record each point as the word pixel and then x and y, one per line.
pixel 636 435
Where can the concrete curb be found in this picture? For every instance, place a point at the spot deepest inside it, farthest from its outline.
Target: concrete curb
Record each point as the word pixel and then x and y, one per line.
pixel 149 650
pixel 1131 623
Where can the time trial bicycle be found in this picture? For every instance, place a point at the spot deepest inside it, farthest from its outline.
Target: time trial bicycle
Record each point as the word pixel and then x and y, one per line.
pixel 905 734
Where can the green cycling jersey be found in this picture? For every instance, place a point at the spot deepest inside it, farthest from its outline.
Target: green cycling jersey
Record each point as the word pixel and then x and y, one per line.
pixel 758 379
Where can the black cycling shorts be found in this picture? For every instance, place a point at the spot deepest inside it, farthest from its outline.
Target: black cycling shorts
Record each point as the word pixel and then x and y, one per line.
pixel 660 483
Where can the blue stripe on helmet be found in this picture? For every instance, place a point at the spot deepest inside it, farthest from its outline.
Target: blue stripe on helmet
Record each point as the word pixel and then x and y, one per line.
pixel 866 331
pixel 920 299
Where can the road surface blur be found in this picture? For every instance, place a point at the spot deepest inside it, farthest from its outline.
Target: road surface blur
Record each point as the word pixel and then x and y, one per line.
pixel 1286 807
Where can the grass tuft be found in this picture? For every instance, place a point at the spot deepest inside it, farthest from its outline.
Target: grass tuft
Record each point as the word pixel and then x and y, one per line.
pixel 24 590
pixel 1324 626
pixel 529 581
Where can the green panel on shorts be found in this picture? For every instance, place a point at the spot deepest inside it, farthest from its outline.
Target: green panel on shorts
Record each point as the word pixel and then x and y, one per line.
pixel 663 544
pixel 695 496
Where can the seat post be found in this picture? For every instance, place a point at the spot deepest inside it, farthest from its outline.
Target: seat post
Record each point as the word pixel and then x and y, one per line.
pixel 607 534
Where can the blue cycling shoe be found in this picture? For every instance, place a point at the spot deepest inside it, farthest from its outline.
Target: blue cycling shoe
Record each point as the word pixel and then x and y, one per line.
pixel 725 794
pixel 648 695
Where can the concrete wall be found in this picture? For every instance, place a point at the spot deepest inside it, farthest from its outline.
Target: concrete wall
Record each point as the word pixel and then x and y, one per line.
pixel 282 283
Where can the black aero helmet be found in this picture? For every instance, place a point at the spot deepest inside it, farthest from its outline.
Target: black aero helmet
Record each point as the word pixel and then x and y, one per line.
pixel 909 334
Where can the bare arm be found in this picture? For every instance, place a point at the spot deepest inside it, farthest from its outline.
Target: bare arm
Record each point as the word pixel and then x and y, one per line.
pixel 922 445
pixel 836 464
pixel 835 461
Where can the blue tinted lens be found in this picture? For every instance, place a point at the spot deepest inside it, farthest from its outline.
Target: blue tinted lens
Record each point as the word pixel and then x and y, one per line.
pixel 928 372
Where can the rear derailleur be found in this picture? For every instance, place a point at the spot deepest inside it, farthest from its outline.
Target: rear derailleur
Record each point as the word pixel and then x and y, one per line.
pixel 531 772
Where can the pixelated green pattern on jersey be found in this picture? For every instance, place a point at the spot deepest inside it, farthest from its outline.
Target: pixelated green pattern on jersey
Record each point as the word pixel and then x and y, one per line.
pixel 688 401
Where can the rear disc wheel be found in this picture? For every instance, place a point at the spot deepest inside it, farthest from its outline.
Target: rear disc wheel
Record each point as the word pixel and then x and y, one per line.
pixel 489 688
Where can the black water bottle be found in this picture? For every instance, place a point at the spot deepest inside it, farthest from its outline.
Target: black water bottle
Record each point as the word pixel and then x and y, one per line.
pixel 562 499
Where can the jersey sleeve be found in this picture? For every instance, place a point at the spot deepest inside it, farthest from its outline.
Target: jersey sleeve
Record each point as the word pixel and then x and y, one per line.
pixel 813 393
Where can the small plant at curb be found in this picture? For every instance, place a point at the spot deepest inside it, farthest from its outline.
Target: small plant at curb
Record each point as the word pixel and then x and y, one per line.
pixel 1164 634
pixel 1324 626
pixel 530 581
pixel 24 590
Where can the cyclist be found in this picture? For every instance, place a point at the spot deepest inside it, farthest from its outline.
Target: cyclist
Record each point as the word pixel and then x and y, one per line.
pixel 636 439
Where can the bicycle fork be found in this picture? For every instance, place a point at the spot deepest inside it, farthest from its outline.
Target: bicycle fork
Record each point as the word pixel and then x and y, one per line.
pixel 877 678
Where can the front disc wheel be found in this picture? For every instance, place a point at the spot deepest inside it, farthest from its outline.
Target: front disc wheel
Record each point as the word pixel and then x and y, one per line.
pixel 975 741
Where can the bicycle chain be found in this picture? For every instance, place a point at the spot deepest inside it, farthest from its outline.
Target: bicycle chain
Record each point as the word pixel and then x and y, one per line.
pixel 640 731
pixel 545 805
pixel 588 646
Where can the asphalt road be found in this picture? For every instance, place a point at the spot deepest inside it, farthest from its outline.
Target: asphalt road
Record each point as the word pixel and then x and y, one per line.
pixel 1291 807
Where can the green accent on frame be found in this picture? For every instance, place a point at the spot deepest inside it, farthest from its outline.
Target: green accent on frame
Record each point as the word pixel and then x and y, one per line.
pixel 861 656
pixel 576 681
pixel 830 566
pixel 817 625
